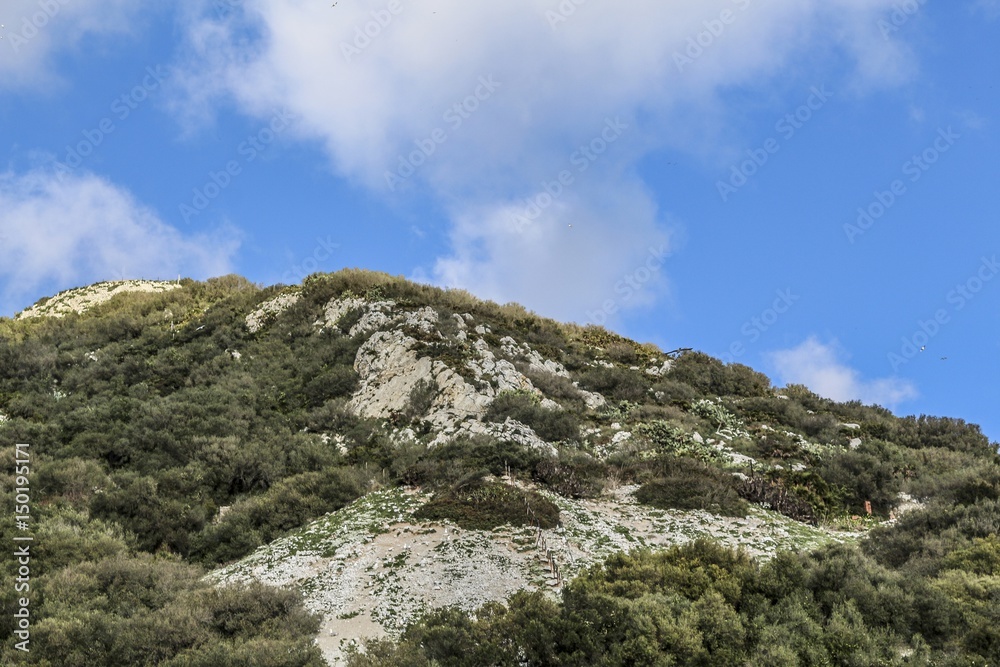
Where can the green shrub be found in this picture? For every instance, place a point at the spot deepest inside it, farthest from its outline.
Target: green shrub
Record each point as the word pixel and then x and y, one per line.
pixel 717 414
pixel 623 352
pixel 773 494
pixel 554 386
pixel 288 504
pixel 711 377
pixel 777 445
pixel 419 402
pixel 673 392
pixel 573 475
pixel 549 425
pixel 444 465
pixel 618 384
pixel 861 477
pixel 686 484
pixel 672 440
pixel 157 611
pixel 981 557
pixel 484 505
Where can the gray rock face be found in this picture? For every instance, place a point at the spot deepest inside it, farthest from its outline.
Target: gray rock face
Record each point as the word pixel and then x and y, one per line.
pixel 390 370
pixel 535 361
pixel 391 367
pixel 269 310
pixel 660 371
pixel 82 299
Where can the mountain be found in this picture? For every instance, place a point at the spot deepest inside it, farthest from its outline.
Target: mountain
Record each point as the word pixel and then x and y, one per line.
pixel 217 473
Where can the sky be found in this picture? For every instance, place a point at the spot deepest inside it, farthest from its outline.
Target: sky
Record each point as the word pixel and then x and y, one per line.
pixel 802 186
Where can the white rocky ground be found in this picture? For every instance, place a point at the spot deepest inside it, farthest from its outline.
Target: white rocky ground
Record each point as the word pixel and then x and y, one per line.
pixel 371 568
pixel 81 299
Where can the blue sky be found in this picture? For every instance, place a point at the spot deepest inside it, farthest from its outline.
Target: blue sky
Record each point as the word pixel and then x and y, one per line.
pixel 805 187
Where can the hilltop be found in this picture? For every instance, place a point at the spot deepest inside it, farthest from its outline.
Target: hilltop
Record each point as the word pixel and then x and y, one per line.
pixel 81 299
pixel 378 450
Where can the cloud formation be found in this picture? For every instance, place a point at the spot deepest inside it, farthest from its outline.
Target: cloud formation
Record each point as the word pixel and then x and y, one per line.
pixel 35 31
pixel 394 90
pixel 80 228
pixel 818 365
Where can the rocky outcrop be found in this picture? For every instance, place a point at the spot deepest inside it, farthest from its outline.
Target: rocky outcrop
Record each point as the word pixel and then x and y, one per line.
pixel 271 309
pixel 81 299
pixel 390 370
pixel 391 367
pixel 661 370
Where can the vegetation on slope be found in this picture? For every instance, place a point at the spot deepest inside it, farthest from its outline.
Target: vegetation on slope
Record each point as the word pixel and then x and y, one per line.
pixel 166 436
pixel 704 604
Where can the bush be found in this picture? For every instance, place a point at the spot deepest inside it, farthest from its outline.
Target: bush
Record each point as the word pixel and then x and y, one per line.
pixel 773 494
pixel 156 611
pixel 686 484
pixel 573 475
pixel 623 352
pixel 445 465
pixel 553 386
pixel 421 397
pixel 776 445
pixel 861 477
pixel 672 392
pixel 549 425
pixel 672 440
pixel 618 384
pixel 711 377
pixel 288 504
pixel 477 504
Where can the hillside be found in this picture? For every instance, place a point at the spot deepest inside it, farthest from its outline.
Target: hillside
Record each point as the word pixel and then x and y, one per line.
pixel 275 474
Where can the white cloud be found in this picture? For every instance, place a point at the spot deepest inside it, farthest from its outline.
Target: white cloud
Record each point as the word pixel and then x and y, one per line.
pixel 370 99
pixel 819 366
pixel 59 232
pixel 35 31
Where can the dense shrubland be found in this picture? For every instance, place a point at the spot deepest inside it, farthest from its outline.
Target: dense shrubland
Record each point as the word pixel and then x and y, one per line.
pixel 703 604
pixel 166 437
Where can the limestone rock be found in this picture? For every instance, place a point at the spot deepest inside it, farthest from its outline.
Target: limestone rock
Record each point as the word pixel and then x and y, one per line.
pixel 510 430
pixel 81 299
pixel 270 309
pixel 513 350
pixel 660 371
pixel 390 369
